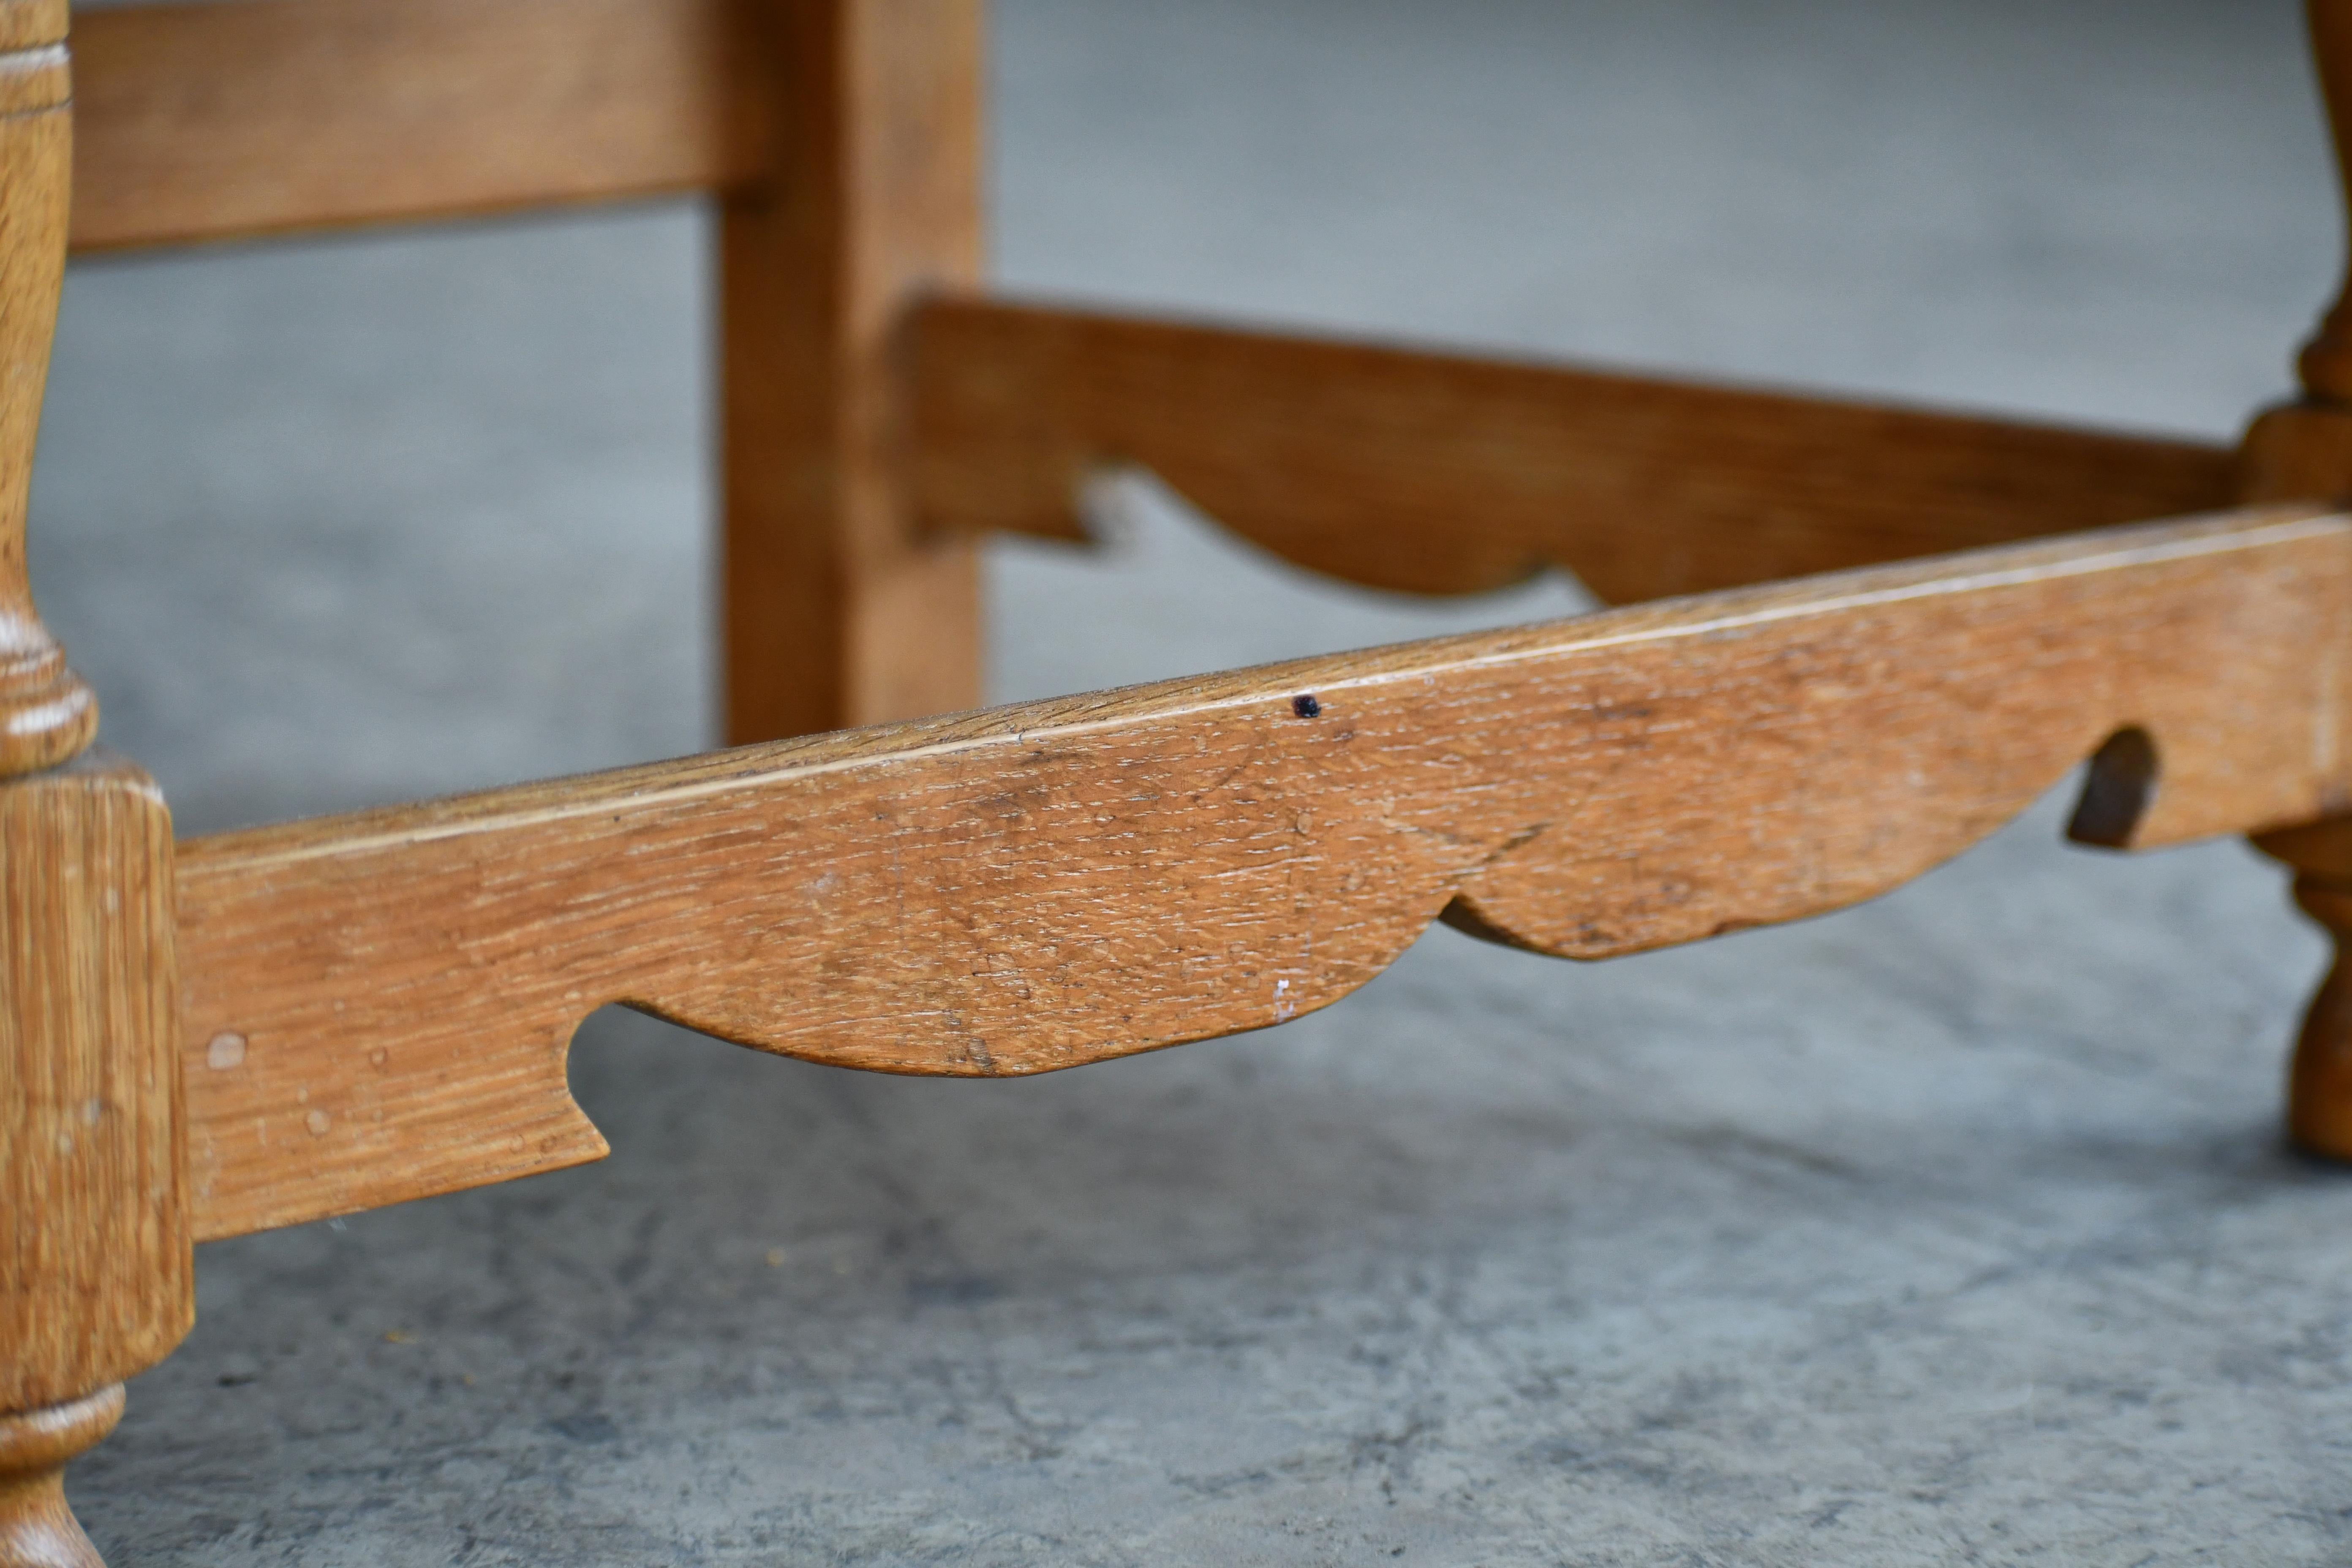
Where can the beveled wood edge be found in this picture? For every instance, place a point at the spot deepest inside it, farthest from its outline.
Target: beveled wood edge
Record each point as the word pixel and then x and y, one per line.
pixel 361 224
pixel 34 79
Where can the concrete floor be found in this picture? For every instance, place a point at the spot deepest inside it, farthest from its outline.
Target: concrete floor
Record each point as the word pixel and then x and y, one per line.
pixel 1953 1229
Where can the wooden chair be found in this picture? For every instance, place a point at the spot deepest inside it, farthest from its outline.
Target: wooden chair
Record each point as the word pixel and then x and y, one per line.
pixel 264 1028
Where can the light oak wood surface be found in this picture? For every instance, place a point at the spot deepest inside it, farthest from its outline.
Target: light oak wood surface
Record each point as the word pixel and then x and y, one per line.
pixel 834 612
pixel 216 121
pixel 378 1006
pixel 31 25
pixel 1437 473
pixel 47 712
pixel 95 1248
pixel 375 1008
pixel 96 1271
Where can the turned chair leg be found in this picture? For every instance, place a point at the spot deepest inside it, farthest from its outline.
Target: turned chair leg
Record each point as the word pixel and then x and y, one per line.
pixel 2319 1081
pixel 95 1262
pixel 2303 451
pixel 36 1528
pixel 2319 1077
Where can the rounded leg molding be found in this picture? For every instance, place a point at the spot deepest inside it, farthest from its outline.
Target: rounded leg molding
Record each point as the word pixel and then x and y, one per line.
pixel 36 1528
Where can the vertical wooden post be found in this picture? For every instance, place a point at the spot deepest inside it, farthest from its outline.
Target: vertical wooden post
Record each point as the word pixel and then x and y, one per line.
pixel 835 612
pixel 2298 451
pixel 2325 364
pixel 95 1266
pixel 2319 1074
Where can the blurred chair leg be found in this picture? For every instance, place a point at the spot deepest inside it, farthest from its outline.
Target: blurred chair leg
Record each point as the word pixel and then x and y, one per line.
pixel 2320 1078
pixel 2298 451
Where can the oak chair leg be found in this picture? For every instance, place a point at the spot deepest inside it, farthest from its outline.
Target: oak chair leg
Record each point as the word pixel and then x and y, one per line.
pixel 2298 451
pixel 95 1260
pixel 835 613
pixel 2319 1081
pixel 2319 1074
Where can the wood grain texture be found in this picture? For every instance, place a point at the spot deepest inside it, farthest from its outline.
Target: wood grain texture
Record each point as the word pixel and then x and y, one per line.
pixel 95 1281
pixel 834 612
pixel 378 1006
pixel 31 24
pixel 1439 474
pixel 46 713
pixel 95 1274
pixel 210 121
pixel 36 1528
pixel 35 78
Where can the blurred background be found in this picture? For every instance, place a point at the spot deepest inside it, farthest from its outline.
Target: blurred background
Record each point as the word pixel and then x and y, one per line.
pixel 1954 1226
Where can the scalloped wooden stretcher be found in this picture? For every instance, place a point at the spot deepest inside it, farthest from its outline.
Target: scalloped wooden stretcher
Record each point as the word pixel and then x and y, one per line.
pixel 1856 641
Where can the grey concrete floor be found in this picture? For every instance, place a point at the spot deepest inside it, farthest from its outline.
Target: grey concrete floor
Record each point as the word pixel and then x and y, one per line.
pixel 1953 1228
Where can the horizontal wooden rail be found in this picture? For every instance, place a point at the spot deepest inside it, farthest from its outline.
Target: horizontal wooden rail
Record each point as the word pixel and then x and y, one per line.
pixel 1432 473
pixel 377 1007
pixel 212 120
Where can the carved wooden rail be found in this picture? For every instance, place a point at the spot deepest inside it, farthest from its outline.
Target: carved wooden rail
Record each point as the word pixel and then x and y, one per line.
pixel 377 1007
pixel 264 1028
pixel 199 123
pixel 1440 474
